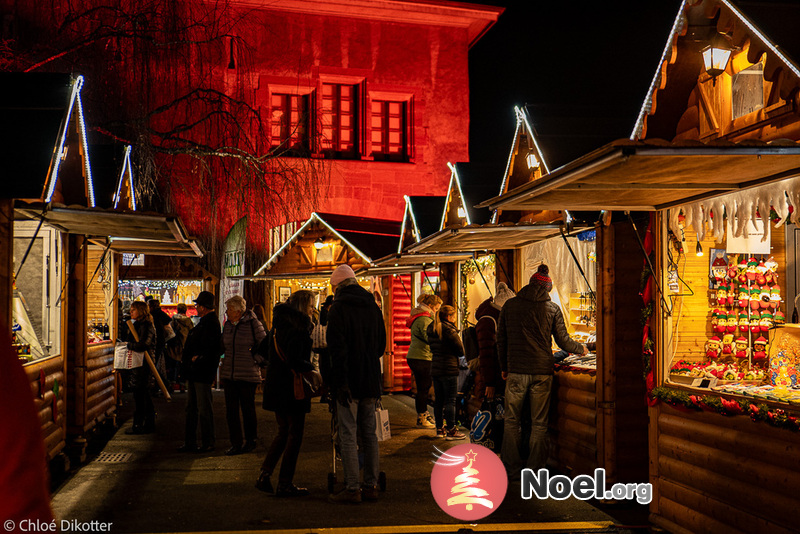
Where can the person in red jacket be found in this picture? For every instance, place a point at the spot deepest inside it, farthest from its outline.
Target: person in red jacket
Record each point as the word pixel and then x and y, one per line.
pixel 23 472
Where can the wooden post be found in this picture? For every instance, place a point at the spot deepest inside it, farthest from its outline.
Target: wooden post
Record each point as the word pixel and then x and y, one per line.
pixel 6 264
pixel 606 368
pixel 76 326
pixel 152 365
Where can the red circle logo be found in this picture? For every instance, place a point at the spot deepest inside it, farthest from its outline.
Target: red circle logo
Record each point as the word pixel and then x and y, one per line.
pixel 468 481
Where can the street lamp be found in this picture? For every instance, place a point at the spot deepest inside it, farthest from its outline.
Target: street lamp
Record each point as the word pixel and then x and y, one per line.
pixel 717 55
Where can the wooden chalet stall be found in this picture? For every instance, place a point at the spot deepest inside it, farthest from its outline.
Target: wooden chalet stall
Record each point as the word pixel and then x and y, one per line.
pixel 97 238
pixel 598 412
pixel 307 260
pixel 43 135
pixel 723 419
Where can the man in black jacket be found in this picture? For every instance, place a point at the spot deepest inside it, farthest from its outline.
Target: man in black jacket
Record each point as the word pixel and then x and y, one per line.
pixel 356 341
pixel 200 361
pixel 524 345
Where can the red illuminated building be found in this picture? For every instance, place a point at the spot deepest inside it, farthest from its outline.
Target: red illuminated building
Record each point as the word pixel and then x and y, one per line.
pixel 268 109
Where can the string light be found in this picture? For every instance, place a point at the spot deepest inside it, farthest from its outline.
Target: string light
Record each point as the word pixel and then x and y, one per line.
pixel 54 176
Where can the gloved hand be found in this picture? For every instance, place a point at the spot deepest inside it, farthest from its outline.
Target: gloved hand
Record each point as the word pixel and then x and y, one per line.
pixel 343 396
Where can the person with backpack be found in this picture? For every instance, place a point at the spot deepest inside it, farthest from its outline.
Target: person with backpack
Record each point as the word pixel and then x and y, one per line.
pixel 419 354
pixel 446 348
pixel 241 373
pixel 489 381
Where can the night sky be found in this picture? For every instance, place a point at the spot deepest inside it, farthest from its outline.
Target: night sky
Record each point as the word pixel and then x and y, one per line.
pixel 582 67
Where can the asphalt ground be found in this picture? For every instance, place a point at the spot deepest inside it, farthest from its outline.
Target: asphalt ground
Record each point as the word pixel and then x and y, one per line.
pixel 141 483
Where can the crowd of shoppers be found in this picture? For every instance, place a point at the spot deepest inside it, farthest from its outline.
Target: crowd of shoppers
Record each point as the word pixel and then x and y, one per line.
pixel 345 340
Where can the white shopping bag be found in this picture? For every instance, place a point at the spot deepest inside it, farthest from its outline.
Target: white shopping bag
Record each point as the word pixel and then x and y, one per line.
pixel 382 428
pixel 127 359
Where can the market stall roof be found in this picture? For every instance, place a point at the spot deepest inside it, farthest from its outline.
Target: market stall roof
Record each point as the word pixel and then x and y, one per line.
pixel 113 176
pixel 469 184
pixel 425 213
pixel 366 238
pixel 655 175
pixel 475 238
pixel 41 116
pixel 410 263
pixel 135 233
pixel 755 26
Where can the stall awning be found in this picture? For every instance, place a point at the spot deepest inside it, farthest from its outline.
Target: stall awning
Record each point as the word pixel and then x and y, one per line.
pixel 475 238
pixel 654 175
pixel 136 233
pixel 411 263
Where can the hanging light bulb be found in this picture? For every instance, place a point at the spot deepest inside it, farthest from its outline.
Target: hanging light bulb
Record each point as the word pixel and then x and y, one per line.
pixel 319 243
pixel 699 249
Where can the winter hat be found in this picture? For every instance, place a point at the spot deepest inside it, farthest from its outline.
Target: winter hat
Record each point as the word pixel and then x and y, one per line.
pixel 503 294
pixel 341 273
pixel 541 277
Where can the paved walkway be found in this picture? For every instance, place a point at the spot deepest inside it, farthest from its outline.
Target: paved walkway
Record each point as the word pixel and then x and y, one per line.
pixel 142 484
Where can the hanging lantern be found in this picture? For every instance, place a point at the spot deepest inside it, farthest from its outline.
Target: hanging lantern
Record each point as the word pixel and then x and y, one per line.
pixel 717 55
pixel 533 162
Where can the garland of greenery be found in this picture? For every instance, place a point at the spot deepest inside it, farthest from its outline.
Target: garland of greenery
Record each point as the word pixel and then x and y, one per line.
pixel 711 403
pixel 468 269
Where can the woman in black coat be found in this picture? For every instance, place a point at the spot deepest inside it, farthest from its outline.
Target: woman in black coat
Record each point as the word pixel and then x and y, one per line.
pixel 290 349
pixel 144 415
pixel 446 348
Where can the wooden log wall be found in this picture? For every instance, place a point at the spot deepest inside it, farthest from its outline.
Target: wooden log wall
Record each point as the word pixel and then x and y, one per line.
pixel 94 393
pixel 573 422
pixel 691 324
pixel 717 474
pixel 44 395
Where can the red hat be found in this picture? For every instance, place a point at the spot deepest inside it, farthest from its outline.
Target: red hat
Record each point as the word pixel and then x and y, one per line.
pixel 541 277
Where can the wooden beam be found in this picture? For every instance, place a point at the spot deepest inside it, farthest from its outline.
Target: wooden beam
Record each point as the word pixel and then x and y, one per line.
pixel 707 107
pixel 640 186
pixel 6 265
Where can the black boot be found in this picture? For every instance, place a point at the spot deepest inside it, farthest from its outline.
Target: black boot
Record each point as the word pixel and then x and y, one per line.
pixel 263 483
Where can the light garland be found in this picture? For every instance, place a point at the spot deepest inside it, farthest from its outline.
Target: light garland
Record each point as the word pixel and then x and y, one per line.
pixel 85 145
pixel 677 26
pixel 60 150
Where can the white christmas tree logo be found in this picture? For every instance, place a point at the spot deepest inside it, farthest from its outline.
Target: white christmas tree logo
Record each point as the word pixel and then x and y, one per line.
pixel 468 481
pixel 465 490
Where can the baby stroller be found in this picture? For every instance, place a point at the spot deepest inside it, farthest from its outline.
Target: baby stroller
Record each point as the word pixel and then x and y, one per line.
pixel 335 452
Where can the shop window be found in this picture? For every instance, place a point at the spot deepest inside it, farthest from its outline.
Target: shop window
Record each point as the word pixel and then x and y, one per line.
pixel 339 120
pixel 389 130
pixel 747 91
pixel 36 304
pixel 726 332
pixel 289 122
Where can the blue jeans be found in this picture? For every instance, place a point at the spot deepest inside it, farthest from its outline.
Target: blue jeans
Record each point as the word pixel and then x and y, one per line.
pixel 444 407
pixel 358 418
pixel 537 389
pixel 199 406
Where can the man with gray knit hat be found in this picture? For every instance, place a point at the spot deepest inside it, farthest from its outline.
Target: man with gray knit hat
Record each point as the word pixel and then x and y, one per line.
pixel 356 339
pixel 524 345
